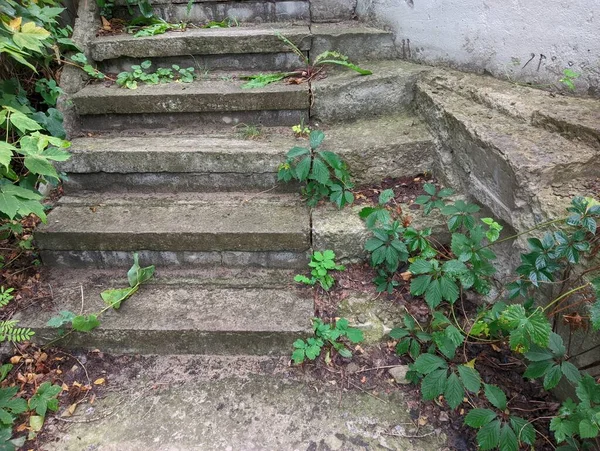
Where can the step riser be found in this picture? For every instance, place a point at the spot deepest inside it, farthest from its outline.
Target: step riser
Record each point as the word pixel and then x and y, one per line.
pixel 175 182
pixel 244 12
pixel 177 342
pixel 170 259
pixel 283 61
pixel 184 121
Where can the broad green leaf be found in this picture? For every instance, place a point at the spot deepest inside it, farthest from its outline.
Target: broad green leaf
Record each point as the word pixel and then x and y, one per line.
pixel 419 285
pixel 298 356
pixel 454 392
pixel 85 323
pixel 508 439
pixel 9 405
pixel 6 153
pixel 331 159
pixel 16 200
pixel 30 37
pixel 587 429
pixel 470 378
pixel 495 396
pixel 319 171
pixel 316 138
pixel 477 418
pixel 433 384
pixel 22 122
pixel 538 369
pixel 303 168
pixel 421 266
pixel 449 289
pixel 114 296
pixel 354 335
pixel 570 371
pixel 434 293
pixel 36 422
pixel 426 363
pixel 523 429
pixel 296 152
pixel 44 398
pixel 488 436
pixel 385 196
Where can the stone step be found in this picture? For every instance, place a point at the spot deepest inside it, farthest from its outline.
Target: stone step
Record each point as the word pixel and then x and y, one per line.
pixel 193 229
pixel 199 104
pixel 242 48
pixel 180 316
pixel 390 146
pixel 573 117
pixel 237 48
pixel 344 95
pixel 244 11
pixel 522 172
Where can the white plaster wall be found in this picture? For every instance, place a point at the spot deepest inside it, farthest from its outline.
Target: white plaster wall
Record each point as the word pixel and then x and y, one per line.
pixel 524 40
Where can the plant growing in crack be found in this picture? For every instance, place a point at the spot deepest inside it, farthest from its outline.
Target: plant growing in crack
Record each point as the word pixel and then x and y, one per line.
pixel 323 173
pixel 327 336
pixel 322 264
pixel 308 72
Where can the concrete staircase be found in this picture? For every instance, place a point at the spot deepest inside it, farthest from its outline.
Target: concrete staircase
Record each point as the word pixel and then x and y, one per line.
pixel 162 170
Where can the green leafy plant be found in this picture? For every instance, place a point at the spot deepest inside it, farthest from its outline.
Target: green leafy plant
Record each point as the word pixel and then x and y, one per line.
pixel 161 75
pixel 322 263
pixel 158 26
pixel 568 78
pixel 440 275
pixel 11 406
pixel 6 296
pixel 301 130
pixel 499 429
pixel 329 336
pixel 249 131
pixel 10 332
pixel 112 298
pixel 308 72
pixel 324 173
pixel 49 91
pixel 81 61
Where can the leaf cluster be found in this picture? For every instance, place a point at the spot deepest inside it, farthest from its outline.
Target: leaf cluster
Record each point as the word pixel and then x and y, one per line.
pixel 321 263
pixel 324 174
pixel 326 335
pixel 139 73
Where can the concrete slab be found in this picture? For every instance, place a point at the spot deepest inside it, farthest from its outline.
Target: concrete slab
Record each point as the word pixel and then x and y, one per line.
pixel 355 40
pixel 390 146
pixel 211 41
pixel 182 313
pixel 209 403
pixel 200 222
pixel 198 97
pixel 346 95
pixel 506 163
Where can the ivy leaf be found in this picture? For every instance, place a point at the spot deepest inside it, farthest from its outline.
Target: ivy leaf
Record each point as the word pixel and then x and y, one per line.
pixel 477 418
pixel 495 396
pixel 137 275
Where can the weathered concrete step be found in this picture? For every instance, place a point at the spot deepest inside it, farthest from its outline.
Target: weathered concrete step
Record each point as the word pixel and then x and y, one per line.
pixel 390 146
pixel 506 163
pixel 203 225
pixel 243 48
pixel 182 318
pixel 245 11
pixel 238 403
pixel 195 104
pixel 346 95
pixel 573 117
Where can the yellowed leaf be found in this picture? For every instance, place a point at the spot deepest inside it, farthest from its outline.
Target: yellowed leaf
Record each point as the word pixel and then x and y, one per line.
pixel 471 363
pixel 15 359
pixel 100 381
pixel 422 421
pixel 15 24
pixel 407 275
pixel 65 387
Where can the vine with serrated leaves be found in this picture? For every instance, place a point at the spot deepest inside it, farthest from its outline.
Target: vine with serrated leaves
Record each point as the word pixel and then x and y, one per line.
pixel 441 276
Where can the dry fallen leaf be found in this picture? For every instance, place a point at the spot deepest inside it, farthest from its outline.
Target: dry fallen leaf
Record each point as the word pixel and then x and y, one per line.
pixel 99 381
pixel 422 421
pixel 105 24
pixel 65 387
pixel 15 359
pixel 406 276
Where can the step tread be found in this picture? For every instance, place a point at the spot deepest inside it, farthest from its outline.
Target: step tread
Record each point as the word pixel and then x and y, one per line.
pixel 198 96
pixel 163 317
pixel 226 152
pixel 190 222
pixel 210 41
